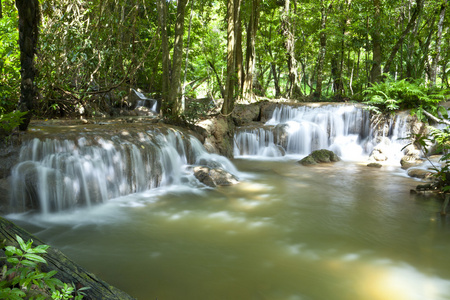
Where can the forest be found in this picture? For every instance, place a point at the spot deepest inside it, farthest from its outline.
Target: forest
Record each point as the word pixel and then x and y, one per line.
pixel 87 55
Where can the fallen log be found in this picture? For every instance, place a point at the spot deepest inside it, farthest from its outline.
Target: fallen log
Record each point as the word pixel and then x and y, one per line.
pixel 68 271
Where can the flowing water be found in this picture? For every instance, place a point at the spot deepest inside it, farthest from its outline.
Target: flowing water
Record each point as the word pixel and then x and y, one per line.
pixel 286 231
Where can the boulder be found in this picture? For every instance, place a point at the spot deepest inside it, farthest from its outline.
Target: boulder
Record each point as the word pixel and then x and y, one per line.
pixel 320 156
pixel 214 177
pixel 244 114
pixel 420 173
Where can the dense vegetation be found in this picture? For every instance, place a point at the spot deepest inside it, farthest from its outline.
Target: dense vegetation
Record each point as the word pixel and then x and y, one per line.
pixel 90 53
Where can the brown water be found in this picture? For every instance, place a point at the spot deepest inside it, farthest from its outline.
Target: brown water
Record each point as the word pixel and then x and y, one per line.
pixel 285 232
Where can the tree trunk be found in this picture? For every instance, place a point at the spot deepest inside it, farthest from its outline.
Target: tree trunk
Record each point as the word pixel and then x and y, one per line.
pixel 29 18
pixel 375 72
pixel 175 82
pixel 162 19
pixel 322 52
pixel 437 48
pixel 252 28
pixel 409 27
pixel 233 14
pixel 289 35
pixel 67 270
pixel 275 80
pixel 183 91
pixel 219 82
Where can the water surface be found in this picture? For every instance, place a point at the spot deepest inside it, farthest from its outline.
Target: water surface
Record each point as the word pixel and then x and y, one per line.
pixel 342 231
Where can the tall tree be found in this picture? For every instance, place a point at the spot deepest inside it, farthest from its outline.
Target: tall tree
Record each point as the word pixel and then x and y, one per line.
pixel 375 72
pixel 288 30
pixel 250 61
pixel 437 49
pixel 162 20
pixel 29 18
pixel 322 49
pixel 175 82
pixel 233 15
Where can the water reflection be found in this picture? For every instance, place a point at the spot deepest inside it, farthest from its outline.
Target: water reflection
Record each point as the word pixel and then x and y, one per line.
pixel 288 232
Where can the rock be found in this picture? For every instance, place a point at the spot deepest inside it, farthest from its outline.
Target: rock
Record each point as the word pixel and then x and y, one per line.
pixel 420 173
pixel 374 165
pixel 219 135
pixel 243 114
pixel 381 150
pixel 320 156
pixel 214 177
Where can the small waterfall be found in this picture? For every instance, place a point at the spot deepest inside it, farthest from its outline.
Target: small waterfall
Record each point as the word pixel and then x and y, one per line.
pixel 300 130
pixel 345 129
pixel 55 175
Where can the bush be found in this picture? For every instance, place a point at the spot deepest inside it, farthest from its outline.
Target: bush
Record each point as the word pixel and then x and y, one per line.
pixel 21 277
pixel 391 95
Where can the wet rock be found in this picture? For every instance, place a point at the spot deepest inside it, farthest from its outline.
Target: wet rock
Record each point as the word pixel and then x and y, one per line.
pixel 320 156
pixel 411 158
pixel 420 173
pixel 381 151
pixel 214 177
pixel 374 165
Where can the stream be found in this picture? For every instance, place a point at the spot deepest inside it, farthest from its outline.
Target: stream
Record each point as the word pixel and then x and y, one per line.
pixel 340 231
pixel 122 201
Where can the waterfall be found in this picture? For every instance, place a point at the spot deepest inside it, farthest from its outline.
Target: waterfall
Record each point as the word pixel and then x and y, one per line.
pixel 297 131
pixel 55 175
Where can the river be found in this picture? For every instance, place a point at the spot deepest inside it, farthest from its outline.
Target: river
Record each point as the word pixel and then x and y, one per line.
pixel 286 231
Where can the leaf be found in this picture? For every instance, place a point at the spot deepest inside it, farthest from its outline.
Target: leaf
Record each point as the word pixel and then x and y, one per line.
pixel 28 263
pixel 35 257
pixel 12 260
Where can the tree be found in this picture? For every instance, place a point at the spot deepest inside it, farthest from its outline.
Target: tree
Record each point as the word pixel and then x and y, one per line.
pixel 233 15
pixel 250 62
pixel 29 17
pixel 288 30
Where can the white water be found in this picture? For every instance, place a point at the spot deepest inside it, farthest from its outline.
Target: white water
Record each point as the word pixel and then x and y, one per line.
pixel 54 175
pixel 297 131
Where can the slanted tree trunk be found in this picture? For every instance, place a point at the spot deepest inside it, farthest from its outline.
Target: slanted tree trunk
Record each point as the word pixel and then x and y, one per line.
pixel 67 270
pixel 250 62
pixel 437 47
pixel 411 24
pixel 29 18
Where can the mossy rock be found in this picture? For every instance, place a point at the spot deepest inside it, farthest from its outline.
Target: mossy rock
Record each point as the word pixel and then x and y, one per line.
pixel 320 156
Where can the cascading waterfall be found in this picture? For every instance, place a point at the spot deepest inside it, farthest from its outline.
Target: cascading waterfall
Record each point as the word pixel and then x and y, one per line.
pixel 342 128
pixel 55 175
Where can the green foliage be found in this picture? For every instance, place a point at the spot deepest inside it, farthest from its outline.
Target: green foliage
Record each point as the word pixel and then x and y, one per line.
pixel 9 121
pixel 196 110
pixel 21 277
pixel 392 95
pixel 9 57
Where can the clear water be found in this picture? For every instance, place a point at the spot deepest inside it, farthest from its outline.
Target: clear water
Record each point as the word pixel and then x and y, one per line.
pixel 342 231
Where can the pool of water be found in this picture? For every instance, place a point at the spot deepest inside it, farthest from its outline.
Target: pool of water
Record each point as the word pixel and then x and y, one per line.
pixel 342 231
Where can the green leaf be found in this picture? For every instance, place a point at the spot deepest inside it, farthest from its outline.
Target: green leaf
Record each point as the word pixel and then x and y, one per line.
pixel 28 263
pixel 12 260
pixel 35 257
pixel 21 243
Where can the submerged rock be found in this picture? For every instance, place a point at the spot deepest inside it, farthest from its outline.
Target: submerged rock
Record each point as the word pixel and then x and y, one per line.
pixel 374 165
pixel 214 177
pixel 320 156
